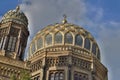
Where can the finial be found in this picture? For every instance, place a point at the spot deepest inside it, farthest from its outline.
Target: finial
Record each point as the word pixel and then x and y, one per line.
pixel 17 8
pixel 64 20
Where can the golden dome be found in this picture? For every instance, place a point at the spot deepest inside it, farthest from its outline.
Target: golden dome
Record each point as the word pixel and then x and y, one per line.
pixel 15 16
pixel 64 34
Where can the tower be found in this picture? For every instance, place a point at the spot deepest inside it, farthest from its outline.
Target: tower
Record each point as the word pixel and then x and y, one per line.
pixel 14 34
pixel 13 40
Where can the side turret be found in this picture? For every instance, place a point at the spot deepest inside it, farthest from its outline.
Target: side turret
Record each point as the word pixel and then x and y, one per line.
pixel 14 34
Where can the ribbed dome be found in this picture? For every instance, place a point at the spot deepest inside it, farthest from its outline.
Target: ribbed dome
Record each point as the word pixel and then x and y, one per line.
pixel 64 34
pixel 15 16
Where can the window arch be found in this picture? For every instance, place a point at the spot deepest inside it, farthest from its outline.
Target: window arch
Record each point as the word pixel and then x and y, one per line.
pixel 39 43
pixel 78 40
pixel 94 48
pixel 87 44
pixel 56 76
pixel 33 48
pixel 68 38
pixel 58 38
pixel 48 39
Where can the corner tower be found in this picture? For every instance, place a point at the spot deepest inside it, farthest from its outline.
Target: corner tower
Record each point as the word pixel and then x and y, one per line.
pixel 13 40
pixel 14 34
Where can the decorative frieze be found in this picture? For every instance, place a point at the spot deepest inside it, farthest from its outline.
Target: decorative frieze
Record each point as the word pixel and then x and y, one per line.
pixel 57 61
pixel 80 76
pixel 36 65
pixel 81 63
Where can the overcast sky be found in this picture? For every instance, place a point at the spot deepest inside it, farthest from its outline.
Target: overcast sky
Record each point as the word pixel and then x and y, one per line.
pixel 100 17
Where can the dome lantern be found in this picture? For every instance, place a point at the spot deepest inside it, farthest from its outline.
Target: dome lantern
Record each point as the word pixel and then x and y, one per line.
pixel 64 20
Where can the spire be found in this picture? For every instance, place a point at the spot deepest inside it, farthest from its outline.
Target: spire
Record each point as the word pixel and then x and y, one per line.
pixel 64 20
pixel 18 8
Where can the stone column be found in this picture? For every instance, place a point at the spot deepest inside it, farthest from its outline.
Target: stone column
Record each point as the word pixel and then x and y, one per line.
pixel 69 72
pixel 44 67
pixel 1 43
pixel 69 67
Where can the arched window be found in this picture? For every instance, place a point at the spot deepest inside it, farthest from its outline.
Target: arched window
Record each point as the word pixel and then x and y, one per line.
pixel 58 38
pixel 87 44
pixel 33 48
pixel 78 40
pixel 61 76
pixel 68 38
pixel 57 76
pixel 48 39
pixel 94 48
pixel 39 43
pixel 51 76
pixel 98 54
pixel 12 43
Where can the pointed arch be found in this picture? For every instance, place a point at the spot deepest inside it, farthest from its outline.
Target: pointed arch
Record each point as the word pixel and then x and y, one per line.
pixel 33 48
pixel 48 39
pixel 58 38
pixel 87 44
pixel 68 38
pixel 78 40
pixel 39 43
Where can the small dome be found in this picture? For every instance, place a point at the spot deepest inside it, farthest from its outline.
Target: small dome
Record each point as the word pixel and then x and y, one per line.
pixel 15 16
pixel 64 34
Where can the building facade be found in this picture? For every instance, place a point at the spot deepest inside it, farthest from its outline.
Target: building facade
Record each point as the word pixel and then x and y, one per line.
pixel 62 51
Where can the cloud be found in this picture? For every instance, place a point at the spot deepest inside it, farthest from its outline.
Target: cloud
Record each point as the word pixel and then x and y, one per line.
pixel 99 14
pixel 44 12
pixel 109 43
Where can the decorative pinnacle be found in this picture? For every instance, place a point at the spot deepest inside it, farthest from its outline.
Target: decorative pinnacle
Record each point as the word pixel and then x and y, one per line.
pixel 64 20
pixel 17 8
